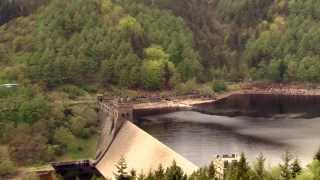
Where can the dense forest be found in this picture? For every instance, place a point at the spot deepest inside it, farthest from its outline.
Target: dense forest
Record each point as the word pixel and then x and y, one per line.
pixel 62 52
pixel 158 44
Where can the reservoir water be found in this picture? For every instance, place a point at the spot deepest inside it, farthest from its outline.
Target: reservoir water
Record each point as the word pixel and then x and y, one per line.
pixel 251 124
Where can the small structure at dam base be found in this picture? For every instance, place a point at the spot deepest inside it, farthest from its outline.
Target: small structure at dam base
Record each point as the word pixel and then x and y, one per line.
pixel 221 163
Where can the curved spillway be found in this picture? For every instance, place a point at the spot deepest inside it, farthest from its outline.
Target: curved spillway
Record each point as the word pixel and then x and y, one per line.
pixel 142 152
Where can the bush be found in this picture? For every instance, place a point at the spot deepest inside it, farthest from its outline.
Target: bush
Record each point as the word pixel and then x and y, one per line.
pixel 206 90
pixel 78 127
pixel 73 91
pixel 219 86
pixel 28 146
pixel 187 88
pixel 65 139
pixel 7 166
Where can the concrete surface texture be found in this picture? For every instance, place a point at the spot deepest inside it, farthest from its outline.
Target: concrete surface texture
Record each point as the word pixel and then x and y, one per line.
pixel 141 151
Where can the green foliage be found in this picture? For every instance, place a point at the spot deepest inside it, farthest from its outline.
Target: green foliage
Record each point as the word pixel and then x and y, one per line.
pixel 287 47
pixel 157 70
pixel 14 8
pixel 243 168
pixel 244 11
pixel 26 105
pixel 221 39
pixel 175 172
pixel 259 168
pixel 153 75
pixel 79 127
pixel 312 172
pixel 106 46
pixel 296 168
pixel 28 145
pixel 190 86
pixel 317 155
pixel 219 86
pixel 7 166
pixel 206 90
pixel 121 173
pixel 73 91
pixel 206 173
pixel 65 139
pixel 285 167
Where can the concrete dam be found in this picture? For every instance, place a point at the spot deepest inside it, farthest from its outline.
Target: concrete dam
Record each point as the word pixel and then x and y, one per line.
pixel 120 137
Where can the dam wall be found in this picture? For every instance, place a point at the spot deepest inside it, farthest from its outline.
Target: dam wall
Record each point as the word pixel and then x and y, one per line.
pixel 121 138
pixel 111 115
pixel 141 151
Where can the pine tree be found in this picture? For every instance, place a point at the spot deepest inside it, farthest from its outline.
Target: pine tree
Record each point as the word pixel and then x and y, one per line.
pixel 175 172
pixel 230 172
pixel 211 171
pixel 150 176
pixel 317 155
pixel 159 173
pixel 141 176
pixel 133 174
pixel 243 168
pixel 122 173
pixel 259 167
pixel 295 168
pixel 285 167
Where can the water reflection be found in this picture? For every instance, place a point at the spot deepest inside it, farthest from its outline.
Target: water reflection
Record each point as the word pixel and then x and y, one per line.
pixel 198 136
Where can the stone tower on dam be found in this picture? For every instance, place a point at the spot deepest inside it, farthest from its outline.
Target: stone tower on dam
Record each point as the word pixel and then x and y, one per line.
pixel 112 114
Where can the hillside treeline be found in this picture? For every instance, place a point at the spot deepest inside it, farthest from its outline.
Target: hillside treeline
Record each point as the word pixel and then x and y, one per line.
pixel 159 44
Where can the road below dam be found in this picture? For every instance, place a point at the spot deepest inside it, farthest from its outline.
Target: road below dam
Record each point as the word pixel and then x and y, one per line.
pixel 249 123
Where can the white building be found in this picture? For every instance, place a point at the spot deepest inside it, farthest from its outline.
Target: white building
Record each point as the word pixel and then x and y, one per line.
pixel 221 163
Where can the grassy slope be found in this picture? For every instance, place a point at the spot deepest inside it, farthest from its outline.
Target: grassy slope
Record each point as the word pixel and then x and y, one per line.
pixel 87 150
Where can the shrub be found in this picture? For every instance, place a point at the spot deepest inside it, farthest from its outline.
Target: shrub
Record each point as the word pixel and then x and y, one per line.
pixel 206 90
pixel 78 127
pixel 7 166
pixel 73 91
pixel 187 88
pixel 219 86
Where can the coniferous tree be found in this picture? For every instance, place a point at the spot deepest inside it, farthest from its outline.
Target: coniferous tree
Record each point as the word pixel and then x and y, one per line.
pixel 174 172
pixel 243 168
pixel 317 155
pixel 259 167
pixel 295 167
pixel 230 173
pixel 133 174
pixel 160 173
pixel 141 176
pixel 150 176
pixel 121 173
pixel 212 171
pixel 285 167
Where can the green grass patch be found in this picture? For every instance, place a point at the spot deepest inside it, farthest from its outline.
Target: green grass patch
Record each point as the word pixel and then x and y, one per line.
pixel 85 149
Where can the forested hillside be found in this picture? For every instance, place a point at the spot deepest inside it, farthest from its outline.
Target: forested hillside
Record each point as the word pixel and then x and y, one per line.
pixel 61 51
pixel 158 44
